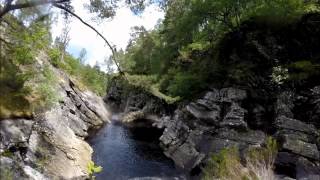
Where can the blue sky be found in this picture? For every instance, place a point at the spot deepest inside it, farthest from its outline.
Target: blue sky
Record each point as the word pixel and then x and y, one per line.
pixel 117 30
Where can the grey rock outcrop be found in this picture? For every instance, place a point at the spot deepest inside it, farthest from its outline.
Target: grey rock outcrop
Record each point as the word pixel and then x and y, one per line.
pixel 52 145
pixel 210 124
pixel 298 141
pixel 229 118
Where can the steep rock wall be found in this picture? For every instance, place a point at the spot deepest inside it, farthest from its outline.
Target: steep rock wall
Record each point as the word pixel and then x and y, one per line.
pixel 52 145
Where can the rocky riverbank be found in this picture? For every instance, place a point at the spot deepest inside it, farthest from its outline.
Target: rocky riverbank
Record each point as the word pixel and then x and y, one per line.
pixel 225 118
pixel 265 89
pixel 51 144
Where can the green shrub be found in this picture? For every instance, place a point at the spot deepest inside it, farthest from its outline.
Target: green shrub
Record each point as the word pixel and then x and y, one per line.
pixel 73 65
pixel 45 90
pixel 227 165
pixel 260 161
pixel 281 12
pixel 7 153
pixel 92 169
pixel 302 70
pixel 23 55
pixel 54 55
pixel 94 79
pixel 141 81
pixel 149 84
pixel 88 77
pixel 185 84
pixel 224 165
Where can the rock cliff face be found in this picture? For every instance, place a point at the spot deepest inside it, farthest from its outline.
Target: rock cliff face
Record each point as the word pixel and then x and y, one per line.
pixel 51 145
pixel 223 118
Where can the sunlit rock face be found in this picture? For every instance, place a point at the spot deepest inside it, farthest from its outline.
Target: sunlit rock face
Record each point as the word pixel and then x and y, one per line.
pixel 51 145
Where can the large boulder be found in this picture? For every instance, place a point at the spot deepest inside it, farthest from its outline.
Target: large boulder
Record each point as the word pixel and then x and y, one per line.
pixel 285 123
pixel 209 124
pixel 298 146
pixel 235 118
pixel 203 113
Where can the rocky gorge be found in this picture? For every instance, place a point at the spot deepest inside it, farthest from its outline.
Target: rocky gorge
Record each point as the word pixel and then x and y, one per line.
pixel 223 118
pixel 242 110
pixel 246 107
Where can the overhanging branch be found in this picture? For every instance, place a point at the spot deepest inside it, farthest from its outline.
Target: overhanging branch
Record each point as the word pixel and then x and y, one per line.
pixel 95 30
pixel 10 7
pixel 56 3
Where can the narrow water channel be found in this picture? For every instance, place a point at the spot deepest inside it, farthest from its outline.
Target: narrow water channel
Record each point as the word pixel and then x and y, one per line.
pixel 126 153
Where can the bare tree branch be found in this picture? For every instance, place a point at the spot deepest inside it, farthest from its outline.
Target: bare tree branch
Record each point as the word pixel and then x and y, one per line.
pixel 95 30
pixel 10 7
pixel 57 3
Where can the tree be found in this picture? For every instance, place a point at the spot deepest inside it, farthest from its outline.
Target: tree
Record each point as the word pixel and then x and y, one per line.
pixel 109 65
pixel 103 9
pixel 11 5
pixel 82 55
pixel 63 40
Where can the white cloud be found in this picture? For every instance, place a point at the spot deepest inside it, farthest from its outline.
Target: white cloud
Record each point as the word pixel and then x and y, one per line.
pixel 117 31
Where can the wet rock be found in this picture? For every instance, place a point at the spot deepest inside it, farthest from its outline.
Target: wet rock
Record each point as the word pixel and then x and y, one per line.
pixel 212 96
pixel 185 155
pixel 179 143
pixel 300 147
pixel 186 141
pixel 250 137
pixel 235 118
pixel 297 139
pixel 307 170
pixel 210 100
pixel 175 133
pixel 210 116
pixel 286 159
pixel 283 122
